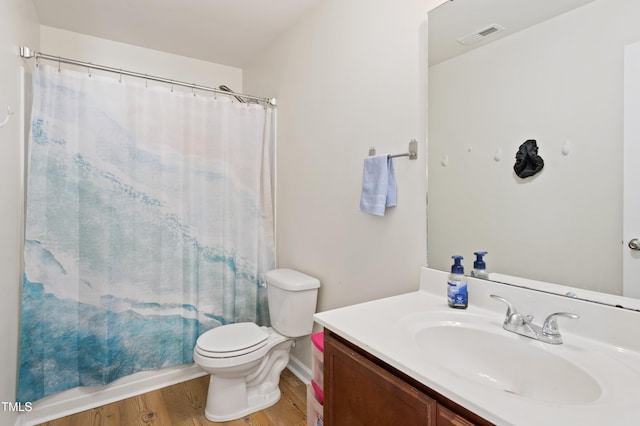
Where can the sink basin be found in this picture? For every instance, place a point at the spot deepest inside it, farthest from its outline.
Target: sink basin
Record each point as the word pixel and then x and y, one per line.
pixel 478 350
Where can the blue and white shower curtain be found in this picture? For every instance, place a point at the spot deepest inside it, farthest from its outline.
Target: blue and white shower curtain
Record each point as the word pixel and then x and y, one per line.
pixel 149 220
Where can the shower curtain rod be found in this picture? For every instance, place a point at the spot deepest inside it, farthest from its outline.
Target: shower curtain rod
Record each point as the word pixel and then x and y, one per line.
pixel 26 53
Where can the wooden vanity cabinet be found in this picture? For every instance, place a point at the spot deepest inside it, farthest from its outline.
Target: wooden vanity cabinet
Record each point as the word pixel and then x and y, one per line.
pixel 449 418
pixel 360 389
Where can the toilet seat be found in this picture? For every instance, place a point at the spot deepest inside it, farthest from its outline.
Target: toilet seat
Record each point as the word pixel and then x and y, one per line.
pixel 232 340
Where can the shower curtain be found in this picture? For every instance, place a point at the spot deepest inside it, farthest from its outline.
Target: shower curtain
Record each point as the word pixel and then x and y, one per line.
pixel 149 221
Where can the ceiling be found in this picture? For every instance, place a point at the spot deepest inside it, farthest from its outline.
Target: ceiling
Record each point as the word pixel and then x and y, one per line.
pixel 456 19
pixel 228 32
pixel 232 32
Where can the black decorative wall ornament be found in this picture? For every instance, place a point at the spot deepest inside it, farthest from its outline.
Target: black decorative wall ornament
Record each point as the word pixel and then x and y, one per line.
pixel 528 162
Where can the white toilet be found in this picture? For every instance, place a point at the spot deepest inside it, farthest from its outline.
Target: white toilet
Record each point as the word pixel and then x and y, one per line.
pixel 245 360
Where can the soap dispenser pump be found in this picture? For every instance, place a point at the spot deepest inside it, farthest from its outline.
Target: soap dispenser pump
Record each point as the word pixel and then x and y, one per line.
pixel 479 266
pixel 457 296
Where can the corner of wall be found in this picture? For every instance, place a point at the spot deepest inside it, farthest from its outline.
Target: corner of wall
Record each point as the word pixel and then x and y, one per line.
pixel 20 27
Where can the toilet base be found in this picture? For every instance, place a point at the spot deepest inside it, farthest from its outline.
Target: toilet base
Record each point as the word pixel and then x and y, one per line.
pixel 231 397
pixel 259 402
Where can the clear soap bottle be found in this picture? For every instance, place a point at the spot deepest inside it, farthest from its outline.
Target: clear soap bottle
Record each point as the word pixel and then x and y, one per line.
pixel 479 266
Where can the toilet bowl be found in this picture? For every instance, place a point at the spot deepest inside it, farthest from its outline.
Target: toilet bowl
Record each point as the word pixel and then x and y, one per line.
pixel 245 360
pixel 244 375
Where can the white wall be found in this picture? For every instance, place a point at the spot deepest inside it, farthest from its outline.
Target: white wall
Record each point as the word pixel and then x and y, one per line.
pixel 350 75
pixel 18 26
pixel 560 80
pixel 57 42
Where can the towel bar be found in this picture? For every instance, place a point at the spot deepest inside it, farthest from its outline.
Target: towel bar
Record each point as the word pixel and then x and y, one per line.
pixel 412 154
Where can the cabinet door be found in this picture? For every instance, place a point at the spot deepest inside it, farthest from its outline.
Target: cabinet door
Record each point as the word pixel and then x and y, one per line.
pixel 449 418
pixel 359 392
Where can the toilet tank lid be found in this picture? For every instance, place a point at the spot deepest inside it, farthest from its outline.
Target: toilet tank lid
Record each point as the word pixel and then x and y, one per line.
pixel 291 280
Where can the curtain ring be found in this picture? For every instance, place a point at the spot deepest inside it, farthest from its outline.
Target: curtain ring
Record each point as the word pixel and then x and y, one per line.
pixel 146 82
pixel 58 63
pixel 89 69
pixel 37 61
pixel 193 89
pixel 171 86
pixel 120 81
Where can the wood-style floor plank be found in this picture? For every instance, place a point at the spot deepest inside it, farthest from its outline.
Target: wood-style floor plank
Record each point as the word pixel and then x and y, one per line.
pixel 186 401
pixel 106 415
pixel 183 405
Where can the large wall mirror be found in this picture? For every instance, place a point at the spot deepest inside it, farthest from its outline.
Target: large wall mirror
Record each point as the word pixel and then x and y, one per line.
pixel 557 78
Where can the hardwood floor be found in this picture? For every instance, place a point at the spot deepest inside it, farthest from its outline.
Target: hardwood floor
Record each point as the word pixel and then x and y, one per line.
pixel 183 404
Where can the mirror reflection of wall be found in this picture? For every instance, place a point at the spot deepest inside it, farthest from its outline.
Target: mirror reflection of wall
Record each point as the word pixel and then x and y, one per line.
pixel 559 82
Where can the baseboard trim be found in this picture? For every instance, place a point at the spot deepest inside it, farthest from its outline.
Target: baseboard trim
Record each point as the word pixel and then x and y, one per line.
pixel 299 370
pixel 85 398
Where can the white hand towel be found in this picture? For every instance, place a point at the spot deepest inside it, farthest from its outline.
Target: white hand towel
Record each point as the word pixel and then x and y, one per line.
pixel 378 185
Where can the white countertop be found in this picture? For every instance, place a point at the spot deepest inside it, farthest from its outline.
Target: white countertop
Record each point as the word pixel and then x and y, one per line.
pixel 605 341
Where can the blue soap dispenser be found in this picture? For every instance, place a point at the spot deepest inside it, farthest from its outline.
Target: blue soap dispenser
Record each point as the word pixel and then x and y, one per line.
pixel 479 267
pixel 457 296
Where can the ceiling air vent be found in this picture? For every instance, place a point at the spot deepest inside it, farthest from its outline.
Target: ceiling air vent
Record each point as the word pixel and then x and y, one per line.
pixel 480 35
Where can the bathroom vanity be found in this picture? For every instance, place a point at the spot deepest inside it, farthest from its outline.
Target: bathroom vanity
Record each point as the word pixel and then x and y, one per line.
pixel 410 359
pixel 362 389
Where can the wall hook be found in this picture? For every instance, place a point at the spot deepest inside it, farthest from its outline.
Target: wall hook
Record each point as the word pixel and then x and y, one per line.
pixel 6 120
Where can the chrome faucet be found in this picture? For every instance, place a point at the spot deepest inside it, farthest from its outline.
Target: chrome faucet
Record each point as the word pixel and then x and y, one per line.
pixel 523 325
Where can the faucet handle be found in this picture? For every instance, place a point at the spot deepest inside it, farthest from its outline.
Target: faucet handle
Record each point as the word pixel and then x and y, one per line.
pixel 513 317
pixel 550 326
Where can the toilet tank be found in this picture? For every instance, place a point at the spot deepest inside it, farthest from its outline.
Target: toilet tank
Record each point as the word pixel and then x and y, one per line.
pixel 292 299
